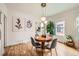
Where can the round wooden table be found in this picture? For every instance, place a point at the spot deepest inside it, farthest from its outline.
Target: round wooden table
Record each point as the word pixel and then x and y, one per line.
pixel 43 40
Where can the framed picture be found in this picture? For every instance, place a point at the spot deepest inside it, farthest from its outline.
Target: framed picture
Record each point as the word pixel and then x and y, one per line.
pixel 27 23
pixel 60 28
pixel 18 23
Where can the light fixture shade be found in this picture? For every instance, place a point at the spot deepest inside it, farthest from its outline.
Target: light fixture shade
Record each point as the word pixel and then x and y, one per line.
pixel 45 21
pixel 43 18
pixel 43 4
pixel 42 25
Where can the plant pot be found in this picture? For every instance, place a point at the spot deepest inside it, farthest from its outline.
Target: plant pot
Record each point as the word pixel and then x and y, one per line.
pixel 69 40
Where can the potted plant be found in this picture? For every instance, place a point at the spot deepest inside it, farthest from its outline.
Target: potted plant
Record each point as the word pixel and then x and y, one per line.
pixel 69 38
pixel 50 28
pixel 70 41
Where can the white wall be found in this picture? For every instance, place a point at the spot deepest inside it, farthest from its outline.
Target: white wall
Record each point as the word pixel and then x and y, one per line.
pixel 69 17
pixel 22 36
pixel 32 11
pixel 36 9
pixel 3 9
pixel 16 37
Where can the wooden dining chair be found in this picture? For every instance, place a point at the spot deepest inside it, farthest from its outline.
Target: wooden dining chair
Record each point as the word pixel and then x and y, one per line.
pixel 52 46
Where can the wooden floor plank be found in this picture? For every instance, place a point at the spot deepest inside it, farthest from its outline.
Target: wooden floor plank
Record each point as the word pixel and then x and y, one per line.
pixel 26 49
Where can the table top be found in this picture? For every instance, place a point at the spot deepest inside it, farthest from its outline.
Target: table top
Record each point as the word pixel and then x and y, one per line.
pixel 43 39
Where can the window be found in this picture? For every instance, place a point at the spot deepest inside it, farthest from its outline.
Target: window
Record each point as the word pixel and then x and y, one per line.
pixel 77 24
pixel 60 28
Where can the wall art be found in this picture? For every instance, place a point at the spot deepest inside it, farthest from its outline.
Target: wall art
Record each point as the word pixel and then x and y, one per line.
pixel 27 24
pixel 18 23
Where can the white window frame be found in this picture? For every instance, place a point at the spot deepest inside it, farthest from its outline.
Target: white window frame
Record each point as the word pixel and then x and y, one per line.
pixel 63 30
pixel 77 23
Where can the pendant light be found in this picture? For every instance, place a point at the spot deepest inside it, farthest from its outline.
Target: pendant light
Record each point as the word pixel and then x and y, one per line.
pixel 43 18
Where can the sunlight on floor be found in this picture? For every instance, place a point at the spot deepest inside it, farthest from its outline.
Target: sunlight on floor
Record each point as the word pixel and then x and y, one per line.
pixel 24 49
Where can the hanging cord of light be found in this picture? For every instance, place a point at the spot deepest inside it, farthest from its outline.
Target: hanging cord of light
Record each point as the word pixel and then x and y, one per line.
pixel 45 11
pixel 43 18
pixel 43 5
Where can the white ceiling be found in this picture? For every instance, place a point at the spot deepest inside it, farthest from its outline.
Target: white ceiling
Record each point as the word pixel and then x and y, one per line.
pixel 36 9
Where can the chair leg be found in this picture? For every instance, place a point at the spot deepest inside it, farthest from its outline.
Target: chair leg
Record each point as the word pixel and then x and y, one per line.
pixel 51 51
pixel 56 52
pixel 36 49
pixel 33 48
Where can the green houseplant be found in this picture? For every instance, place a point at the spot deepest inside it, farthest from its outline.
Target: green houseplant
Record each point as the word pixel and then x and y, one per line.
pixel 70 41
pixel 50 28
pixel 69 38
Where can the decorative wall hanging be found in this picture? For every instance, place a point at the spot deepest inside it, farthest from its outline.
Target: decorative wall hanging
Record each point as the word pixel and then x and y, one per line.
pixel 18 23
pixel 29 24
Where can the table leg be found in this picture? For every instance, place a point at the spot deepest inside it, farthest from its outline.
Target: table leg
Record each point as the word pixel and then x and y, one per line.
pixel 42 47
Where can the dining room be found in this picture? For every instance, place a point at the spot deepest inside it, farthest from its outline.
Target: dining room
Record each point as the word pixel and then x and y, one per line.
pixel 39 29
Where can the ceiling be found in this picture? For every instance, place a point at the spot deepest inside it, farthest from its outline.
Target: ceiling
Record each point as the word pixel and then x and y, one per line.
pixel 36 9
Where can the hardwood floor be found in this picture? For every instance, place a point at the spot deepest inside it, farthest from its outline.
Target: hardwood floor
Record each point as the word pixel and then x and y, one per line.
pixel 64 50
pixel 26 49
